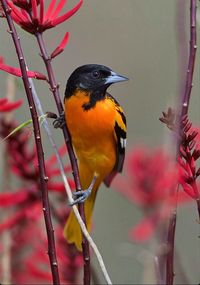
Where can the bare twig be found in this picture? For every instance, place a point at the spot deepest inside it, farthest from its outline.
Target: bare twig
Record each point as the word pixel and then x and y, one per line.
pixel 39 148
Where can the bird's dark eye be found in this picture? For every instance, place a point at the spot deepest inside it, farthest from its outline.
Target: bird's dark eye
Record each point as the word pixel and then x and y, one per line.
pixel 96 74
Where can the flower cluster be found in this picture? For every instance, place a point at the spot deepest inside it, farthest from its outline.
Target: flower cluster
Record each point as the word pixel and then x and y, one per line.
pixel 151 177
pixel 33 18
pixel 24 210
pixel 189 151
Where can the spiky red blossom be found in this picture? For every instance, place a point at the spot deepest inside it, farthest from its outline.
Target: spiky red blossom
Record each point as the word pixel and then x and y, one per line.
pixel 151 176
pixel 33 17
pixel 189 151
pixel 189 154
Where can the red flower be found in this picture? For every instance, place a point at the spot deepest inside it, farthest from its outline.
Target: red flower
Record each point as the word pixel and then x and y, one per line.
pixel 152 176
pixel 17 71
pixel 60 48
pixel 189 154
pixel 33 18
pixel 8 106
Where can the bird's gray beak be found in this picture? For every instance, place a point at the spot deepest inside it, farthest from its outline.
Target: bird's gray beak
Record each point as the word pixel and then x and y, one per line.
pixel 114 77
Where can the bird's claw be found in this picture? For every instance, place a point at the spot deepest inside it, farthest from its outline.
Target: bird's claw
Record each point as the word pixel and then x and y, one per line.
pixel 82 195
pixel 59 122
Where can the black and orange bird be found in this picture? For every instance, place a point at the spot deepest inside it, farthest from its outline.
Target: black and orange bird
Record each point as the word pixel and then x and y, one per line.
pixel 97 126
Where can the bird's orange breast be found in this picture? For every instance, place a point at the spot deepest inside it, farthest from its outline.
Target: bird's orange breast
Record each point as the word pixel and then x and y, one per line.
pixel 92 131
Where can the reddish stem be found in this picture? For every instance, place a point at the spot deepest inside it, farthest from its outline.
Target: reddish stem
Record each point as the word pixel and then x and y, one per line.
pixel 192 56
pixel 39 148
pixel 184 110
pixel 55 90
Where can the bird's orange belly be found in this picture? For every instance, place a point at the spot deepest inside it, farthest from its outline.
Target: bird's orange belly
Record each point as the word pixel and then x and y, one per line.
pixel 92 134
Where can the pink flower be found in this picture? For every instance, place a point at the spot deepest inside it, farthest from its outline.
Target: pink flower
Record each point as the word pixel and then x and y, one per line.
pixel 33 18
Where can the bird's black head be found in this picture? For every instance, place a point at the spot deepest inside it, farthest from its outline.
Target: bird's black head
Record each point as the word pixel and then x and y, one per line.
pixel 93 78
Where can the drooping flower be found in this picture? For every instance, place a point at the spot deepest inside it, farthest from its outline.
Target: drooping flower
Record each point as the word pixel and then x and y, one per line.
pixel 33 18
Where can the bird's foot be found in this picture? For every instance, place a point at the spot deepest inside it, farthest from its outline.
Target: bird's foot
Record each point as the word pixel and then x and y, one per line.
pixel 59 122
pixel 81 196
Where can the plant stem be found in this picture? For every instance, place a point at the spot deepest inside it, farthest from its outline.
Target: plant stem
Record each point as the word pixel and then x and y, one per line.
pixel 55 90
pixel 39 148
pixel 184 110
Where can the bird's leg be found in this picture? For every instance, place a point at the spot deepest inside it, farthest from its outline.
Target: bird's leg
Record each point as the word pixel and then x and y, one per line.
pixel 59 122
pixel 81 196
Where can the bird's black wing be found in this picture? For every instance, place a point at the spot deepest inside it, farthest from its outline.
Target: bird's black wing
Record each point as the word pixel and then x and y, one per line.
pixel 120 135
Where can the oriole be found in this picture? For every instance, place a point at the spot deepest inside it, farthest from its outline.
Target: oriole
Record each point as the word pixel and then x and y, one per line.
pixel 97 126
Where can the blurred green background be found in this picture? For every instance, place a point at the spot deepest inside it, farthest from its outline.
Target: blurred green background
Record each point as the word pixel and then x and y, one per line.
pixel 138 39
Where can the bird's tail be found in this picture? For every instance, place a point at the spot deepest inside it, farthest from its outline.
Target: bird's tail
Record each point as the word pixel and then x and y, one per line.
pixel 72 231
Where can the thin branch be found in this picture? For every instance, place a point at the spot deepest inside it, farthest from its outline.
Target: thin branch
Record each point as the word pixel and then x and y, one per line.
pixel 55 90
pixel 184 110
pixel 192 56
pixel 66 184
pixel 39 148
